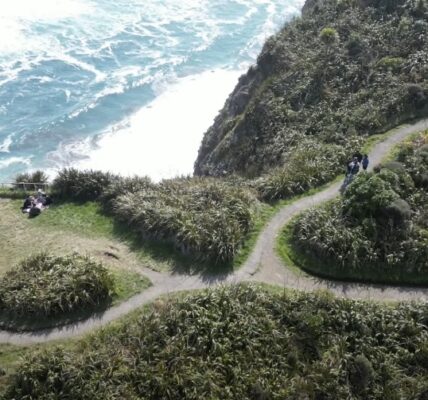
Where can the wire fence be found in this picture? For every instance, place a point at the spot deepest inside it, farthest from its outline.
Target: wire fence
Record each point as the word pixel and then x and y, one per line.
pixel 24 186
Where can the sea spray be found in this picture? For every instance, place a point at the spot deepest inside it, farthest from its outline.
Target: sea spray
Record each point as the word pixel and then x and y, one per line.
pixel 132 90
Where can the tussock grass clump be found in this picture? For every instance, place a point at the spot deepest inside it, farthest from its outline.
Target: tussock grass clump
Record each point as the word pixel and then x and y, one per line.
pixel 378 230
pixel 204 217
pixel 309 165
pixel 242 343
pixel 47 286
pixel 88 185
pixel 121 186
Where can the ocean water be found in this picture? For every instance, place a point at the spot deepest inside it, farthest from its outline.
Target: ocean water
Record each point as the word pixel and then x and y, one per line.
pixel 128 86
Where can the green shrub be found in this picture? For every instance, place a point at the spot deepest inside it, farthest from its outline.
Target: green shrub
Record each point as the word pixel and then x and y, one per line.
pixel 394 166
pixel 241 343
pixel 399 212
pixel 390 63
pixel 38 179
pixel 310 165
pixel 329 36
pixel 88 185
pixel 122 186
pixel 203 217
pixel 361 373
pixel 377 231
pixel 367 196
pixel 355 45
pixel 45 286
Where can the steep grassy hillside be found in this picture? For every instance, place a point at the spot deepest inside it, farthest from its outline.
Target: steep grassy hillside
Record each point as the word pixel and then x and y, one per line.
pixel 343 70
pixel 242 343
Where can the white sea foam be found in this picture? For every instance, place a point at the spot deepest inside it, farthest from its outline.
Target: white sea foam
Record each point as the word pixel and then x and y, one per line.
pixel 162 139
pixel 5 146
pixel 276 16
pixel 15 16
pixel 132 43
pixel 99 76
pixel 43 9
pixel 15 160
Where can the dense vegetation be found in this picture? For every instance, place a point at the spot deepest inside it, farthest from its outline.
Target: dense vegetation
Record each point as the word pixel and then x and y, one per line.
pixel 379 230
pixel 46 286
pixel 309 166
pixel 206 218
pixel 242 343
pixel 344 70
pixel 37 179
pixel 202 217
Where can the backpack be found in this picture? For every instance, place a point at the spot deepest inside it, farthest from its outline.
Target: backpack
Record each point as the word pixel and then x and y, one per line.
pixel 355 168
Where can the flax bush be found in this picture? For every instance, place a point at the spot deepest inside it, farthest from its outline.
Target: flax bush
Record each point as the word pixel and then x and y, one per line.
pixel 378 230
pixel 309 165
pixel 206 218
pixel 242 343
pixel 31 177
pixel 45 286
pixel 74 185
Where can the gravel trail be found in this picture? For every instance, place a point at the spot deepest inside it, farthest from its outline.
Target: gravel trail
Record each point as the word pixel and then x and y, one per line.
pixel 263 265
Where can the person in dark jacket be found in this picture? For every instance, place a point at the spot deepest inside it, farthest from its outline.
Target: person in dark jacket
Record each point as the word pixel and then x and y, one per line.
pixel 358 156
pixel 28 203
pixel 365 162
pixel 355 168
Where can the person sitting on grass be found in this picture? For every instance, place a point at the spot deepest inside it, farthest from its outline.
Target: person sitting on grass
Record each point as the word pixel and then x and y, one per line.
pixel 28 203
pixel 40 196
pixel 33 205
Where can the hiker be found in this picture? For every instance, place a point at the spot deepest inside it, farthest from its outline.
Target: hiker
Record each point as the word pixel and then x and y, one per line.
pixel 355 168
pixel 365 162
pixel 352 169
pixel 349 167
pixel 358 156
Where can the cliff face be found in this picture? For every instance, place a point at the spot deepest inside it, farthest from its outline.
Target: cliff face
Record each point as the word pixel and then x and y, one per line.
pixel 347 68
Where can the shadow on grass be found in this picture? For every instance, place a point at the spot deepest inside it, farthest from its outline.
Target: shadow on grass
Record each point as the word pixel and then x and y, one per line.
pixel 165 252
pixel 39 323
pixel 89 218
pixel 375 274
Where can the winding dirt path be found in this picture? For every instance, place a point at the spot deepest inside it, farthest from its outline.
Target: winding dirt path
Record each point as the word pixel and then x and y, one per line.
pixel 263 265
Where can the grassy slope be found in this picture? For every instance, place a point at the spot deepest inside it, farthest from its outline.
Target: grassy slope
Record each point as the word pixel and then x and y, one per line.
pixel 63 229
